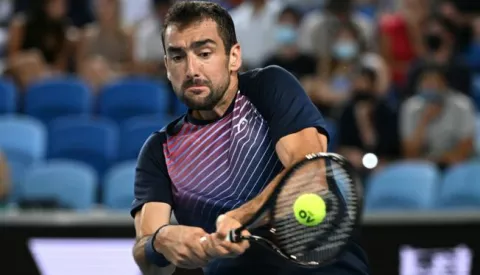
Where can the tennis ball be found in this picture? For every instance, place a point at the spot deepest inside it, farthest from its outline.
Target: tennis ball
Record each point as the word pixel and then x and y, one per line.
pixel 309 209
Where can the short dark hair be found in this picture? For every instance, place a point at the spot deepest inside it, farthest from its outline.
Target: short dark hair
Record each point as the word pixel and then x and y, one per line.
pixel 433 68
pixel 185 13
pixel 369 74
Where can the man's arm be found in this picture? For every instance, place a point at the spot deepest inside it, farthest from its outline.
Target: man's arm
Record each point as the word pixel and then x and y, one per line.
pixel 296 126
pixel 147 221
pixel 290 149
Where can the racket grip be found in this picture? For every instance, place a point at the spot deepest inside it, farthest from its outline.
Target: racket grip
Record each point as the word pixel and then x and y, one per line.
pixel 234 236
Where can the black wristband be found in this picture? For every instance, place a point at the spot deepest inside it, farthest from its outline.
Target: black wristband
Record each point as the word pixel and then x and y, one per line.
pixel 151 254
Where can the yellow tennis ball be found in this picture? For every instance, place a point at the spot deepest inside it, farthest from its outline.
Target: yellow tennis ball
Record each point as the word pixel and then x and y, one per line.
pixel 309 209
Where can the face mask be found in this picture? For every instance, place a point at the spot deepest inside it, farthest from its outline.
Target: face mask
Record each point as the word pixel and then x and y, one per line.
pixel 286 35
pixel 433 42
pixel 363 95
pixel 345 50
pixel 432 96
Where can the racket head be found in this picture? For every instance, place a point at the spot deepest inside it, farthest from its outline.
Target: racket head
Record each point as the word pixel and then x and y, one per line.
pixel 318 245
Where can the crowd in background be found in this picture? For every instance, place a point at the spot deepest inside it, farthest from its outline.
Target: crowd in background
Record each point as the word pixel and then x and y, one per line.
pixel 399 78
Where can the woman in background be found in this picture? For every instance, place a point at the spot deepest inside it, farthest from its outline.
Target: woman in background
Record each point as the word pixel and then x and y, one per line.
pixel 106 49
pixel 40 42
pixel 332 89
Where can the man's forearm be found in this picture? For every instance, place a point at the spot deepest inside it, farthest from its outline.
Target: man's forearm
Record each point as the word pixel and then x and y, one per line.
pixel 245 212
pixel 145 267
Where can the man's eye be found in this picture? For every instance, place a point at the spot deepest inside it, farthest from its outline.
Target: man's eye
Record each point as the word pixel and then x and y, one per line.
pixel 177 58
pixel 205 54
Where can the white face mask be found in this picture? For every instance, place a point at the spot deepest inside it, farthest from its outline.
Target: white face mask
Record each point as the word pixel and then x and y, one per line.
pixel 345 50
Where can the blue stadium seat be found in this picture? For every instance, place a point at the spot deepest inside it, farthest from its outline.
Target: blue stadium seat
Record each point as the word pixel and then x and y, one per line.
pixel 92 141
pixel 8 97
pixel 461 187
pixel 407 185
pixel 180 108
pixel 56 97
pixel 23 140
pixel 72 184
pixel 477 139
pixel 135 132
pixel 127 98
pixel 118 186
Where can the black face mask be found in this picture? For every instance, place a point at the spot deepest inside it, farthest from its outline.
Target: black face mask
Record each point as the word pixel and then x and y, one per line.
pixel 433 42
pixel 362 96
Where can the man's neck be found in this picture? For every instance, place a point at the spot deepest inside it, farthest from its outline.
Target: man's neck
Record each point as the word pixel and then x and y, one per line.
pixel 222 107
pixel 442 56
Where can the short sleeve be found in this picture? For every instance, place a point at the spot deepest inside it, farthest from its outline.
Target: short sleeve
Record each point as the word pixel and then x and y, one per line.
pixel 152 183
pixel 408 122
pixel 466 128
pixel 283 103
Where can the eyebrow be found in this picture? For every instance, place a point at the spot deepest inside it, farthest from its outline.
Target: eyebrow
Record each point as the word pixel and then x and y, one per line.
pixel 193 45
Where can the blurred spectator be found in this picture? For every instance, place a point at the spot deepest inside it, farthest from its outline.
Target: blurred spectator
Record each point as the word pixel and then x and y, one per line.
pixel 40 41
pixel 132 12
pixel 254 21
pixel 148 41
pixel 400 37
pixel 368 124
pixel 288 55
pixel 4 179
pixel 460 21
pixel 348 53
pixel 439 39
pixel 473 51
pixel 438 123
pixel 319 26
pixel 106 49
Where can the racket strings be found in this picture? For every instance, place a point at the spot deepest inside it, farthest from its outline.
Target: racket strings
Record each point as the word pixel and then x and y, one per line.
pixel 295 238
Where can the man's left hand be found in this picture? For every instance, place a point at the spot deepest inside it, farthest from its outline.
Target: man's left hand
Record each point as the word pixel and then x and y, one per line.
pixel 217 246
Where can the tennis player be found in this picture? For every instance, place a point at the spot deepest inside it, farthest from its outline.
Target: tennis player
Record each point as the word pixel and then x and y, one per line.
pixel 215 165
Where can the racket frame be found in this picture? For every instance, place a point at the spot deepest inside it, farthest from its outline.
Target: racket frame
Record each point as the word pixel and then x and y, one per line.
pixel 265 209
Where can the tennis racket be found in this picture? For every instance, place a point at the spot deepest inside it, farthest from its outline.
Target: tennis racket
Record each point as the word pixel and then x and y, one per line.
pixel 321 244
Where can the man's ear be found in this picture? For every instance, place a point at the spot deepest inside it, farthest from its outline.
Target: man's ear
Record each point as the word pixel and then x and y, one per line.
pixel 235 58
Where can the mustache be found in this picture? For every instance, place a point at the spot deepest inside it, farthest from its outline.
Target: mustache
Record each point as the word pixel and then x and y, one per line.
pixel 195 82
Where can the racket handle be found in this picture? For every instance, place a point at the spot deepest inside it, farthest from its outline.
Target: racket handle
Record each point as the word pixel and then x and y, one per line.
pixel 234 236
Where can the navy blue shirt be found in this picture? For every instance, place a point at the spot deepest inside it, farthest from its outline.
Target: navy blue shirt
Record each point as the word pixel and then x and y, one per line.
pixel 206 168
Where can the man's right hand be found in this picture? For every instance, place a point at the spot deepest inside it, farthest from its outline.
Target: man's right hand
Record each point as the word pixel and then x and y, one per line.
pixel 181 246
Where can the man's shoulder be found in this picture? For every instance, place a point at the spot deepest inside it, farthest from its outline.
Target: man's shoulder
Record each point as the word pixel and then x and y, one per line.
pixel 412 106
pixel 460 100
pixel 267 73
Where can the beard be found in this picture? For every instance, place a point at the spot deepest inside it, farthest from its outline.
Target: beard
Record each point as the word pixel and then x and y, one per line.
pixel 205 103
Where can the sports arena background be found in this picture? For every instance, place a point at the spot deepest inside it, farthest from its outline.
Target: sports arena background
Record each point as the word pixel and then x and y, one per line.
pixel 83 85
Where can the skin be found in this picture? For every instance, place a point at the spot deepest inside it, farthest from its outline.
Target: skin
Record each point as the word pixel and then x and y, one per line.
pixel 204 75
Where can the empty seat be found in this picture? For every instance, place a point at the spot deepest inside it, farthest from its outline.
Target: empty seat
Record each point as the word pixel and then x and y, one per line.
pixel 477 139
pixel 135 132
pixel 8 97
pixel 460 187
pixel 127 98
pixel 407 185
pixel 56 97
pixel 118 186
pixel 71 184
pixel 23 140
pixel 92 141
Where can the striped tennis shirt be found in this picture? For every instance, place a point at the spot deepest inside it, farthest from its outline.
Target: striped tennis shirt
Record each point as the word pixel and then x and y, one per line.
pixel 206 168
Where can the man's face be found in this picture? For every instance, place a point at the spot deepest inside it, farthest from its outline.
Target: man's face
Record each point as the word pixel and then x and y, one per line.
pixel 433 82
pixel 197 65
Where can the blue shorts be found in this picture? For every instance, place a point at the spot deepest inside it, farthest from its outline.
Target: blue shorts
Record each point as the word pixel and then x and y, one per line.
pixel 259 261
